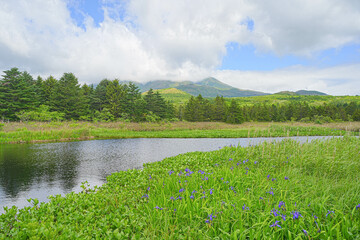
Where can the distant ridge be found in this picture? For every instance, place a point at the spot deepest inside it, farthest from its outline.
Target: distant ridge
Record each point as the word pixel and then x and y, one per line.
pixel 208 87
pixel 302 93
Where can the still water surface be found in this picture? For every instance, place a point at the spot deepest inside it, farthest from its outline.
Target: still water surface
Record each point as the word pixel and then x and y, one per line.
pixel 39 170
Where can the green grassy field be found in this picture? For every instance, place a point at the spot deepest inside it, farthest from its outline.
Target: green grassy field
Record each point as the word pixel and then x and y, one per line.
pixel 72 131
pixel 272 191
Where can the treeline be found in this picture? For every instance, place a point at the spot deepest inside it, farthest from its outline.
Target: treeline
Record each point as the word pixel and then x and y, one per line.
pixel 23 98
pixel 201 109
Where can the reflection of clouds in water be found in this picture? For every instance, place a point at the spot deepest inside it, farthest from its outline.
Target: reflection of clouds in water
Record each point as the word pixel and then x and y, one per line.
pixel 40 170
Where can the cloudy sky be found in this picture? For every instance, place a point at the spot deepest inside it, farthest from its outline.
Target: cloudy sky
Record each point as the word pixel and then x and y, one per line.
pixel 261 45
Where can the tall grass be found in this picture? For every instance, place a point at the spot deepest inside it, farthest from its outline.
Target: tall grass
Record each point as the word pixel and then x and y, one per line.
pixel 67 131
pixel 278 190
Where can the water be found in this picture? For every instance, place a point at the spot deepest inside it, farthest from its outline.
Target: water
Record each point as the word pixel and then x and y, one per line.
pixel 39 170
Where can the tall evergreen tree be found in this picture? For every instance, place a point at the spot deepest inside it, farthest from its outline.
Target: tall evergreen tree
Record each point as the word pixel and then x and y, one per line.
pixel 68 97
pixel 17 93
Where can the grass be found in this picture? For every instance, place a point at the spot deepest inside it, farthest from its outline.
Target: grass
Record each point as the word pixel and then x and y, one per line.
pixel 282 190
pixel 70 131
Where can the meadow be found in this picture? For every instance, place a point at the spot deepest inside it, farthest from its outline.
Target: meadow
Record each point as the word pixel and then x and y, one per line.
pixel 282 190
pixel 32 132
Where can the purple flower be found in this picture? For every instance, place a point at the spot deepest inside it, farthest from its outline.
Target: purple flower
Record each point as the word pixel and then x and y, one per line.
pixel 271 192
pixel 283 216
pixel 273 179
pixel 286 178
pixel 244 207
pixel 192 196
pixel 329 212
pixel 150 177
pixel 172 198
pixel 305 232
pixel 179 198
pixel 296 215
pixel 268 176
pixel 200 171
pixel 281 203
pixel 211 191
pixel 275 212
pixel 148 188
pixel 171 172
pixel 255 162
pixel 158 208
pixel 275 224
pixel 358 206
pixel 261 198
pixel 230 159
pixel 194 192
pixel 174 209
pixel 246 172
pixel 181 190
pixel 211 218
pixel 145 196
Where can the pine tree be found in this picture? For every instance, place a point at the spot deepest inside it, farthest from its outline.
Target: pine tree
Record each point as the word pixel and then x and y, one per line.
pixel 17 93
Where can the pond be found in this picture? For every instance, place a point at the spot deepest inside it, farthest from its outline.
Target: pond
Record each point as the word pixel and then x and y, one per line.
pixel 39 170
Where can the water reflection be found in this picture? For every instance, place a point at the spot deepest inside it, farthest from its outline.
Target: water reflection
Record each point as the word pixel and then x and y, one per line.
pixel 40 170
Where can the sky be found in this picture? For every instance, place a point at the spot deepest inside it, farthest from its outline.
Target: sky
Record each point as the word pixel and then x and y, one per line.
pixel 261 45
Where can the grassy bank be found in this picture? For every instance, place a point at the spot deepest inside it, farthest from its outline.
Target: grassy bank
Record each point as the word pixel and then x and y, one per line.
pixel 272 191
pixel 69 131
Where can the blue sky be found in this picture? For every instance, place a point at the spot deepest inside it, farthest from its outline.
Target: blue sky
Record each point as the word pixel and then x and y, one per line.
pixel 259 45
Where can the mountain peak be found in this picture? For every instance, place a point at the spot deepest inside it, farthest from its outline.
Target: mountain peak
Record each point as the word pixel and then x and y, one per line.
pixel 213 82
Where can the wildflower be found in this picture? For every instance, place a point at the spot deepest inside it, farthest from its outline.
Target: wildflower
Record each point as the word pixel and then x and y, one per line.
pixel 244 207
pixel 192 196
pixel 200 171
pixel 232 168
pixel 270 192
pixel 268 176
pixel 329 212
pixel 211 218
pixel 150 176
pixel 281 203
pixel 230 159
pixel 181 190
pixel 255 162
pixel 275 224
pixel 261 198
pixel 305 232
pixel 273 179
pixel 145 196
pixel 231 187
pixel 296 215
pixel 275 212
pixel 172 198
pixel 283 216
pixel 246 172
pixel 175 210
pixel 211 191
pixel 358 206
pixel 171 172
pixel 286 178
pixel 194 192
pixel 158 208
pixel 179 198
pixel 238 163
pixel 148 188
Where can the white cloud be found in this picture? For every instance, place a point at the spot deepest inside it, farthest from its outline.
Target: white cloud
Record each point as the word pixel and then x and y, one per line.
pixel 339 80
pixel 180 40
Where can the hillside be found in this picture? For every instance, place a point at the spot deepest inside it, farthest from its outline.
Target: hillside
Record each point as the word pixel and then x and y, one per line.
pixel 173 95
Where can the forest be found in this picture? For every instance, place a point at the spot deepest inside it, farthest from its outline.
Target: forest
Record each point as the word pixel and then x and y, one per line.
pixel 27 99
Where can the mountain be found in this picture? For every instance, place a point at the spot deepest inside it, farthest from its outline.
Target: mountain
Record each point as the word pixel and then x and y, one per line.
pixel 208 87
pixel 302 93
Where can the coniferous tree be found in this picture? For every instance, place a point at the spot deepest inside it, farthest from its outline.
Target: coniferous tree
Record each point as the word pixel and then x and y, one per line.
pixel 17 93
pixel 68 97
